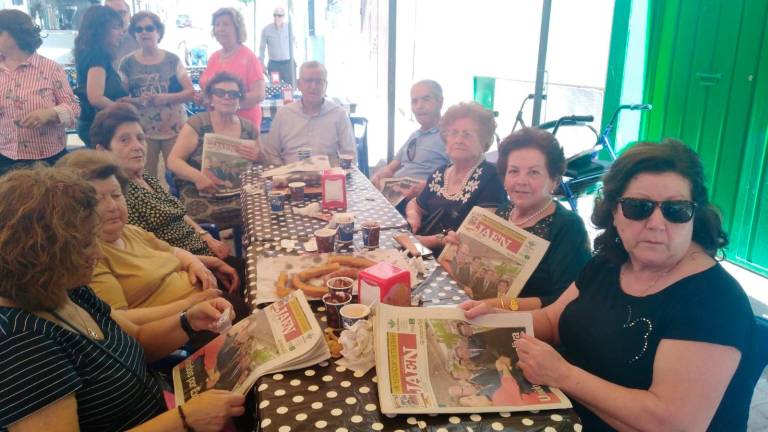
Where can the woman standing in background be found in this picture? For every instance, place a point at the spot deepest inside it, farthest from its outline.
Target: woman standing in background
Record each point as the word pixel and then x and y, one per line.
pixel 158 84
pixel 33 115
pixel 98 84
pixel 237 59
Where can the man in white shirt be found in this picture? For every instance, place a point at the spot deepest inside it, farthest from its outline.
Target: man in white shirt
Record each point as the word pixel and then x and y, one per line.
pixel 276 38
pixel 314 122
pixel 424 151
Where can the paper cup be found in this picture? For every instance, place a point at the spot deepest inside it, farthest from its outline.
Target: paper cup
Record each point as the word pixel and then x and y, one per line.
pixel 346 226
pixel 340 286
pixel 333 307
pixel 352 313
pixel 304 153
pixel 276 203
pixel 297 191
pixel 324 238
pixel 345 161
pixel 371 230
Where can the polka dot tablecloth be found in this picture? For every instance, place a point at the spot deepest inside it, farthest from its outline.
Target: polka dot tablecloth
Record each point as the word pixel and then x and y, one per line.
pixel 363 199
pixel 439 289
pixel 327 397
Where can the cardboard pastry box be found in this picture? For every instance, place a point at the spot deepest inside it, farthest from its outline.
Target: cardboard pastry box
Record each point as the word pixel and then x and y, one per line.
pixel 384 283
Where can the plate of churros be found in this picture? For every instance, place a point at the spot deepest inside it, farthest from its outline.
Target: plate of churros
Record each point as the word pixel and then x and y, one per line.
pixel 277 277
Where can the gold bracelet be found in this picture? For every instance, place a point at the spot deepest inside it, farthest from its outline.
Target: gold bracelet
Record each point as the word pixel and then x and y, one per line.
pixel 501 302
pixel 513 305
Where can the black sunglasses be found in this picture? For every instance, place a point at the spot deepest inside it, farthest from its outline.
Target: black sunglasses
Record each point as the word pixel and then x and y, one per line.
pixel 638 209
pixel 227 94
pixel 139 29
pixel 410 151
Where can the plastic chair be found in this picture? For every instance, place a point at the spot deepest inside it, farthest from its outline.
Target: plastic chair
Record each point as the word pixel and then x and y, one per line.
pixel 360 130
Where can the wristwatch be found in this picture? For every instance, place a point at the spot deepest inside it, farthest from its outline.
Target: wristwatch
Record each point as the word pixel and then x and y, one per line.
pixel 185 325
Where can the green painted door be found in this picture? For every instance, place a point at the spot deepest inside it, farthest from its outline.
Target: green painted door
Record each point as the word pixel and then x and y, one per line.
pixel 707 78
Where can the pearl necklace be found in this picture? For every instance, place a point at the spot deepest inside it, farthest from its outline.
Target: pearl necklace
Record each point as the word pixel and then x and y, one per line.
pixel 531 217
pixel 460 190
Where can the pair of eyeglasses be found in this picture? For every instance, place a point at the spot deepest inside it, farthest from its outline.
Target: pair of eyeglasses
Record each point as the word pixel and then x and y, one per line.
pixel 278 15
pixel 410 151
pixel 314 81
pixel 637 209
pixel 149 29
pixel 453 133
pixel 227 94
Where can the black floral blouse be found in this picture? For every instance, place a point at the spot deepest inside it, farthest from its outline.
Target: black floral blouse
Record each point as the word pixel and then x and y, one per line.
pixel 444 211
pixel 162 214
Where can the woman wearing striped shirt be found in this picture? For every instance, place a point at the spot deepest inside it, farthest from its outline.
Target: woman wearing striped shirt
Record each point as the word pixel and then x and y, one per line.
pixel 37 102
pixel 67 361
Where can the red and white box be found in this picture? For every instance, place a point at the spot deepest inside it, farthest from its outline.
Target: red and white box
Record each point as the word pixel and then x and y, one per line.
pixel 384 283
pixel 334 185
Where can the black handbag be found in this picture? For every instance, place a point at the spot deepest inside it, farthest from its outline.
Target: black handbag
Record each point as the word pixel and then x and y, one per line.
pixel 432 224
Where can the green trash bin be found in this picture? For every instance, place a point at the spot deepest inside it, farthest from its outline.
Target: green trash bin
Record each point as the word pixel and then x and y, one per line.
pixel 484 89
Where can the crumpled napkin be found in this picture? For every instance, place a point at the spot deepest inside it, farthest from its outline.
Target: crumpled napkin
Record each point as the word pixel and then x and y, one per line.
pixel 308 210
pixel 312 210
pixel 357 351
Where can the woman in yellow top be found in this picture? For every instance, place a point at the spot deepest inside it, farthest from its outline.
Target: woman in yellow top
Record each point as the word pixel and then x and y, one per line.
pixel 139 272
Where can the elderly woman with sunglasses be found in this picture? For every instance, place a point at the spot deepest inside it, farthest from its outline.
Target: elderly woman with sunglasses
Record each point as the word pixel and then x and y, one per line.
pixel 159 86
pixel 654 334
pixel 224 92
pixel 467 181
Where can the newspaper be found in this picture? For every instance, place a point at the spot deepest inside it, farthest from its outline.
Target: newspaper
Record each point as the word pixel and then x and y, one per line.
pixel 283 336
pixel 432 361
pixel 222 161
pixel 494 257
pixel 318 163
pixel 394 188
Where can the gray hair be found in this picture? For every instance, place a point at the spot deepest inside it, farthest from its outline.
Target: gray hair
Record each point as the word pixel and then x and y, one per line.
pixel 314 64
pixel 433 85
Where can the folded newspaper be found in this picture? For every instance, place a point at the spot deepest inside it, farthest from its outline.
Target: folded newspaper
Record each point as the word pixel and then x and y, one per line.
pixel 223 163
pixel 432 360
pixel 494 257
pixel 395 188
pixel 317 163
pixel 283 336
